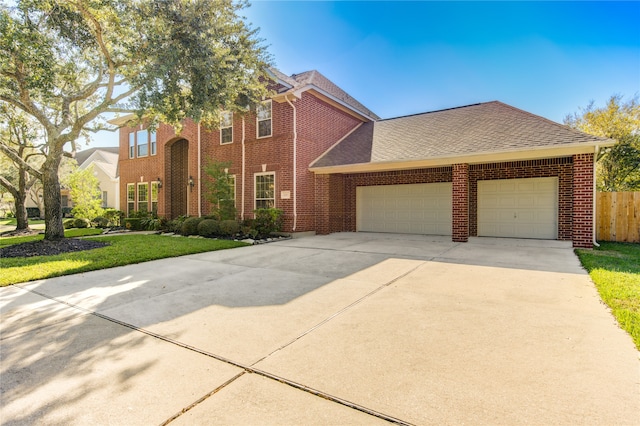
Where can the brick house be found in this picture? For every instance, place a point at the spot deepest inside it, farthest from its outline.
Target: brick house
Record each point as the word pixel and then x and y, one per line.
pixel 332 165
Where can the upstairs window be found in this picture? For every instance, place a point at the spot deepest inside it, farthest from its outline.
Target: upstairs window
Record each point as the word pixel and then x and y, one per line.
pixel 226 127
pixel 143 142
pixel 132 145
pixel 153 143
pixel 263 117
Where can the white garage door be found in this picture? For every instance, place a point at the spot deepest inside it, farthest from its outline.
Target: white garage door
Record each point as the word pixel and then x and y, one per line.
pixel 518 208
pixel 423 208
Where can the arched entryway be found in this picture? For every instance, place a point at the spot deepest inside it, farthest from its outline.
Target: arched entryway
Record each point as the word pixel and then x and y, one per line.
pixel 178 174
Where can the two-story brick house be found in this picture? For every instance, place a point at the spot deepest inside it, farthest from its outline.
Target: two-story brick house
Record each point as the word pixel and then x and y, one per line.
pixel 332 165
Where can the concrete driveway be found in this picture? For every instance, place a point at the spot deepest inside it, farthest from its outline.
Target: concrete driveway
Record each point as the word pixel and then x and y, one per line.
pixel 340 329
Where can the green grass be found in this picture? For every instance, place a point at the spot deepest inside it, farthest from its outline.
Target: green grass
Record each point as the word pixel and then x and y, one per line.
pixel 71 233
pixel 123 250
pixel 13 222
pixel 615 270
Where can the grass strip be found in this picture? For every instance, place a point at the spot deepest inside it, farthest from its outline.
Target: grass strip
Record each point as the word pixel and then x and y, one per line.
pixel 69 233
pixel 615 270
pixel 123 250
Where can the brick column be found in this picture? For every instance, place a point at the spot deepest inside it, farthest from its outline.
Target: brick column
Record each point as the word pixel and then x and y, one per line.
pixel 323 199
pixel 583 200
pixel 460 203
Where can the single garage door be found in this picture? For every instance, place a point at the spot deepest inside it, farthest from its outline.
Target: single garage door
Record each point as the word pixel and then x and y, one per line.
pixel 423 208
pixel 518 208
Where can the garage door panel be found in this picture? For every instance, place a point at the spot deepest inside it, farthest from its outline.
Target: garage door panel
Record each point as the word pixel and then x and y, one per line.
pixel 518 208
pixel 410 208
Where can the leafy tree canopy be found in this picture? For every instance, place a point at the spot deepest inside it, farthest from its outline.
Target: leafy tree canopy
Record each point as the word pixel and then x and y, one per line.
pixel 619 166
pixel 67 62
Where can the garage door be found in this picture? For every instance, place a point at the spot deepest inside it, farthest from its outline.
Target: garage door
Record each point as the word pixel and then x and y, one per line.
pixel 423 208
pixel 518 208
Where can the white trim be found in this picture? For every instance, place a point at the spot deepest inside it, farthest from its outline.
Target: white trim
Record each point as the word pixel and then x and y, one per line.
pixel 295 165
pixel 243 172
pixel 235 185
pixel 149 132
pixel 138 185
pixel 311 87
pixel 138 144
pixel 199 174
pixel 132 154
pixel 269 101
pixel 471 158
pixel 255 175
pixel 134 197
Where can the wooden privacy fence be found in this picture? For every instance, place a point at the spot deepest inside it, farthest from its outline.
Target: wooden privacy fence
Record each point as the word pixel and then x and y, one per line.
pixel 618 216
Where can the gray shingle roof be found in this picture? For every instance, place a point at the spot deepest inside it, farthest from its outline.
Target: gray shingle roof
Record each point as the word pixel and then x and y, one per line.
pixel 490 127
pixel 311 79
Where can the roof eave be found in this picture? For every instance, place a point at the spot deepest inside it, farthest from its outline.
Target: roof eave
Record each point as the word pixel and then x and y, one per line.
pixel 332 99
pixel 471 158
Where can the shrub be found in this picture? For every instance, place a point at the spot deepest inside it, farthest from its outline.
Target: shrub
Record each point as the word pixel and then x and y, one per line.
pixel 81 222
pixel 68 224
pixel 153 223
pixel 229 227
pixel 100 222
pixel 33 212
pixel 175 225
pixel 208 227
pixel 190 226
pixel 267 221
pixel 113 216
pixel 133 223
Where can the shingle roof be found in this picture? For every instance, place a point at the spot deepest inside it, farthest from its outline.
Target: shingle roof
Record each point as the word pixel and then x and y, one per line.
pixel 82 156
pixel 491 127
pixel 313 79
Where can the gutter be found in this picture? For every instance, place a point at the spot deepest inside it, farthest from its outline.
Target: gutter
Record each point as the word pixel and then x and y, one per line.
pixel 295 165
pixel 199 176
pixel 242 198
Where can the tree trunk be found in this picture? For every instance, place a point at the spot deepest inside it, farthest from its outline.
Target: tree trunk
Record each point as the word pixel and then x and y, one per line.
pixel 20 201
pixel 51 195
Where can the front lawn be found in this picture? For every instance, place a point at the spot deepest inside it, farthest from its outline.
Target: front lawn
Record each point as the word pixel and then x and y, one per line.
pixel 615 270
pixel 123 250
pixel 69 233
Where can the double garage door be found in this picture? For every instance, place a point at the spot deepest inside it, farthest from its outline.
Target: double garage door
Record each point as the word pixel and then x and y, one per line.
pixel 515 208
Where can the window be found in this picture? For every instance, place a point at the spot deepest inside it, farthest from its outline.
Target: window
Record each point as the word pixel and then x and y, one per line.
pixel 131 197
pixel 226 127
pixel 143 197
pixel 132 145
pixel 105 197
pixel 265 190
pixel 263 116
pixel 154 198
pixel 153 143
pixel 143 142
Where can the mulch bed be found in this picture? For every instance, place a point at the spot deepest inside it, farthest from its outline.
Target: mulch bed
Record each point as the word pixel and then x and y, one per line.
pixel 49 248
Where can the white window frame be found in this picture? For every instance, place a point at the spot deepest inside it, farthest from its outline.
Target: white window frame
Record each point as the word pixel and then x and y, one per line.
pixel 270 119
pixel 255 189
pixel 154 200
pixel 229 125
pixel 132 144
pixel 129 200
pixel 234 188
pixel 138 201
pixel 145 144
pixel 153 143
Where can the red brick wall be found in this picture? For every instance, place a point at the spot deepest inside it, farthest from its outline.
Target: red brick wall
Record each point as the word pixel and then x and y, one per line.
pixel 560 167
pixel 460 203
pixel 583 200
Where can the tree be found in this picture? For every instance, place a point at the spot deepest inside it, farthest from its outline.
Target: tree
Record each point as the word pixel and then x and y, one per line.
pixel 68 63
pixel 84 189
pixel 619 166
pixel 220 189
pixel 18 136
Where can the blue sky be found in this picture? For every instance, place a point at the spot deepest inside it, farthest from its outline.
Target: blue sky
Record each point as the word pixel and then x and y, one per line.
pixel 400 58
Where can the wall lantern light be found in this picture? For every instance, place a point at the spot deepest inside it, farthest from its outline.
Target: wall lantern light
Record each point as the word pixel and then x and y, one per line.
pixel 191 183
pixel 159 183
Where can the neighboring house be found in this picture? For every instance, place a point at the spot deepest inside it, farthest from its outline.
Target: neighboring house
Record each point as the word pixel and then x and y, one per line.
pixel 105 168
pixel 332 165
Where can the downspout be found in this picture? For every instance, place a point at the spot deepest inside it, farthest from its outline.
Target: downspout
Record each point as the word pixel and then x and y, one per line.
pixel 295 165
pixel 199 176
pixel 595 158
pixel 242 198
